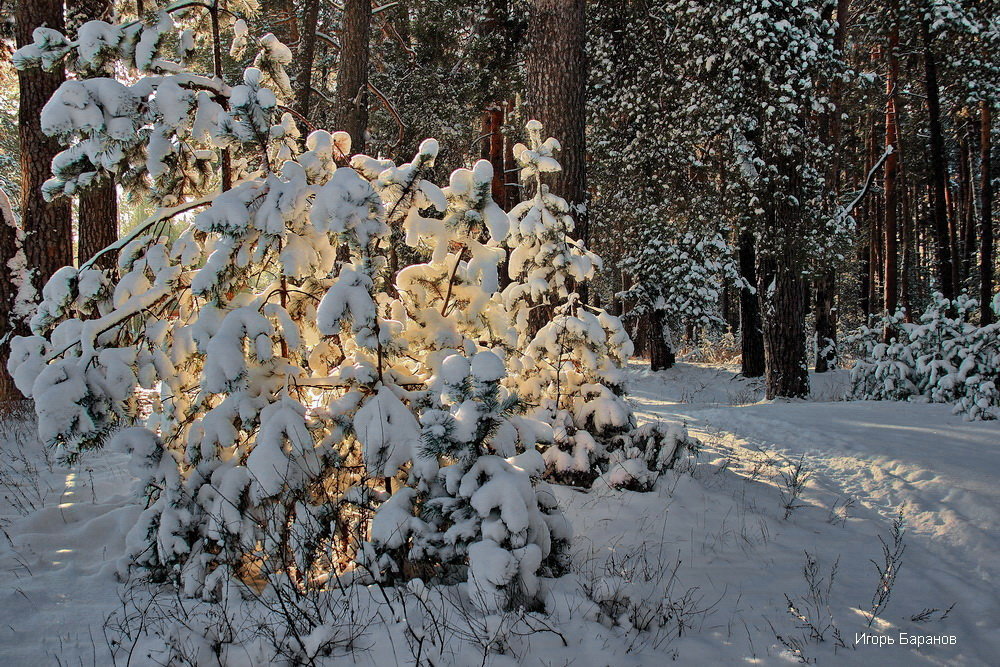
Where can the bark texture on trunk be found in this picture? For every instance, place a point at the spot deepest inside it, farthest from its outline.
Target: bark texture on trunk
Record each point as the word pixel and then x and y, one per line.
pixel 826 284
pixel 97 211
pixel 781 286
pixel 556 78
pixel 661 354
pixel 826 322
pixel 351 99
pixel 307 56
pixel 986 254
pixel 751 334
pixel 890 271
pixel 493 150
pixel 942 235
pixel 783 291
pixel 98 224
pixel 47 225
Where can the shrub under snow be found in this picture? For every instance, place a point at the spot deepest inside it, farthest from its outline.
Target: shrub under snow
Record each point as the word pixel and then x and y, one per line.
pixel 942 358
pixel 316 411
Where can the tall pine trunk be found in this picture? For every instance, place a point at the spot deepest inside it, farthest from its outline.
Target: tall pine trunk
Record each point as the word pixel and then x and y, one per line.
pixel 890 271
pixel 751 333
pixel 826 283
pixel 97 210
pixel 942 235
pixel 780 283
pixel 556 80
pixel 351 100
pixel 986 260
pixel 826 322
pixel 966 216
pixel 47 226
pixel 661 353
pixel 783 295
pixel 307 58
pixel 907 240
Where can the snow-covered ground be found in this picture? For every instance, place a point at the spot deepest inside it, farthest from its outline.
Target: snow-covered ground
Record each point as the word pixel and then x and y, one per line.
pixel 707 564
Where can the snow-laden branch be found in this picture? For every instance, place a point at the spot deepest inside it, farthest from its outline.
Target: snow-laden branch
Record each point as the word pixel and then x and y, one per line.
pixel 161 215
pixel 869 179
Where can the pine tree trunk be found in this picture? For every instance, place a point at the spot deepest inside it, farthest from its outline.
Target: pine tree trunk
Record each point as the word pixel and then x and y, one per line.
pixel 826 284
pixel 986 267
pixel 954 236
pixel 97 210
pixel 98 216
pixel 307 58
pixel 556 79
pixel 47 225
pixel 493 150
pixel 863 228
pixel 661 355
pixel 781 286
pixel 783 293
pixel 942 235
pixel 967 243
pixel 826 322
pixel 351 100
pixel 9 325
pixel 751 333
pixel 889 294
pixel 906 236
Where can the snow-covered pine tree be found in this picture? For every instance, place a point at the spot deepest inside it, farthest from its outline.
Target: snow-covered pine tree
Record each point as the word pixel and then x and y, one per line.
pixel 678 281
pixel 311 402
pixel 572 357
pixel 942 358
pixel 294 395
pixel 467 510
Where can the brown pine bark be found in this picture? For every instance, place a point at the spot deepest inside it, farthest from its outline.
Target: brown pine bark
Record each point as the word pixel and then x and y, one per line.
pixel 98 223
pixel 944 269
pixel 890 293
pixel 493 150
pixel 783 292
pixel 966 217
pixel 875 266
pixel 306 59
pixel 826 322
pixel 351 97
pixel 907 241
pixel 751 331
pixel 954 233
pixel 865 223
pixel 661 355
pixel 826 284
pixel 47 225
pixel 97 209
pixel 781 286
pixel 986 259
pixel 556 78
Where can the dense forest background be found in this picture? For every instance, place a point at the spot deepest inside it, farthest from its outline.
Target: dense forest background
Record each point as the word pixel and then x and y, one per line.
pixel 759 176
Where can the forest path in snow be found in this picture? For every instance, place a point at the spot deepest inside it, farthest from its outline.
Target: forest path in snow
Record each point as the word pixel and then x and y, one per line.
pixel 58 564
pixel 938 468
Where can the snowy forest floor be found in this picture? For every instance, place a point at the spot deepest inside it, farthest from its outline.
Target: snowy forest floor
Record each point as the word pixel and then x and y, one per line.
pixel 707 565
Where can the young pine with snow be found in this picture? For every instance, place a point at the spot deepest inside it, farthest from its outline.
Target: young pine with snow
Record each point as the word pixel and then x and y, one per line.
pixel 297 404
